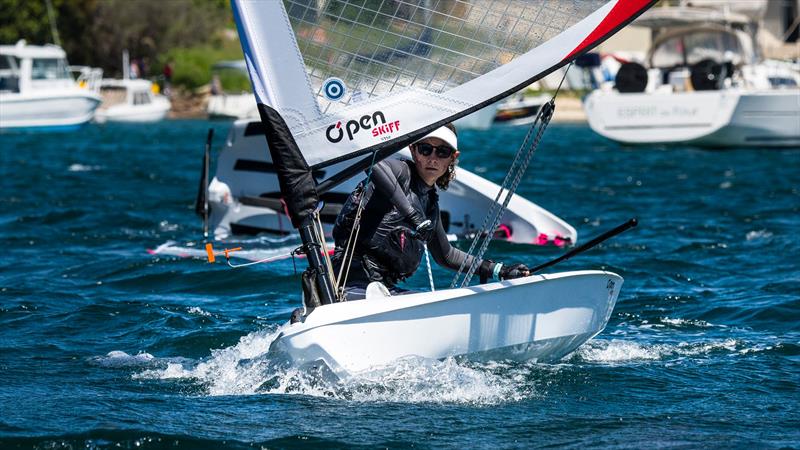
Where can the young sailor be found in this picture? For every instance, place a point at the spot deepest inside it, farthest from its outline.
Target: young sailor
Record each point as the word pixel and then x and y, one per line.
pixel 400 214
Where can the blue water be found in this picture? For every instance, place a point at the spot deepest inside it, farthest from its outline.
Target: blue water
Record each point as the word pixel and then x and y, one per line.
pixel 104 345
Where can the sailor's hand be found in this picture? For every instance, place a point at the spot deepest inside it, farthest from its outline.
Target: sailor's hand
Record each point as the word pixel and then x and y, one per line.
pixel 509 272
pixel 423 228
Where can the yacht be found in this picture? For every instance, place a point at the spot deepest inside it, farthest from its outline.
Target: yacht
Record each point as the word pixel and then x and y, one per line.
pixel 701 83
pixel 37 89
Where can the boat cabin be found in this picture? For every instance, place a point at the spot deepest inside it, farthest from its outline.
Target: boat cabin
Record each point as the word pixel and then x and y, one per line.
pixel 25 68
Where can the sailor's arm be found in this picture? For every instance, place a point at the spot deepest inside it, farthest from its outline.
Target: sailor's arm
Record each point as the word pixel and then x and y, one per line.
pixel 387 176
pixel 448 256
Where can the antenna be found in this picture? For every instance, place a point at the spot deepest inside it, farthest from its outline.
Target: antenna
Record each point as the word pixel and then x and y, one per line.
pixel 51 16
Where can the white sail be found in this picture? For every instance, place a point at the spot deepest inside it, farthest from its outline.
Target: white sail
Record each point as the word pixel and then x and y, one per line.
pixel 349 77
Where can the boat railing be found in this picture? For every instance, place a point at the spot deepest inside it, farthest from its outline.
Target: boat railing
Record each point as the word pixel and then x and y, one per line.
pixel 88 77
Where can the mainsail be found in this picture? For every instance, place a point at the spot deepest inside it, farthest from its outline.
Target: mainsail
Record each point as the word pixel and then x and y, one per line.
pixel 350 77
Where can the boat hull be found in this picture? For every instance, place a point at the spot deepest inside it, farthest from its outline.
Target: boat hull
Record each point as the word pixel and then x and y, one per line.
pixel 725 118
pixel 153 112
pixel 52 111
pixel 541 318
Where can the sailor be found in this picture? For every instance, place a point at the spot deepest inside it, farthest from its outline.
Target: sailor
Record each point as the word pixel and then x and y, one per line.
pixel 400 214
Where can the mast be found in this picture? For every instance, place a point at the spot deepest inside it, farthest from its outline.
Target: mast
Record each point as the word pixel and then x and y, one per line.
pixel 300 194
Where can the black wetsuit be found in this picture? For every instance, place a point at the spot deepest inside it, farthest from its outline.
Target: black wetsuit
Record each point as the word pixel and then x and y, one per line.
pixel 386 249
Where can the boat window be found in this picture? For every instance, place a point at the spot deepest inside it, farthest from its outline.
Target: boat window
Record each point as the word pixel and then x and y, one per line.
pixel 50 69
pixel 691 48
pixel 112 95
pixel 141 98
pixel 9 73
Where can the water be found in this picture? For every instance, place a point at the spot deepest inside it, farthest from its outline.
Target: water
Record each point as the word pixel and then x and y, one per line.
pixel 102 344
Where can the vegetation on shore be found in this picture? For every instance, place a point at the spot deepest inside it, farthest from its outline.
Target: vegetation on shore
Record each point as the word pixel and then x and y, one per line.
pixel 189 35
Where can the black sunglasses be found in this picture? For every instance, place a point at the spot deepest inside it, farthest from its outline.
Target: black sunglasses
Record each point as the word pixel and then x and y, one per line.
pixel 442 151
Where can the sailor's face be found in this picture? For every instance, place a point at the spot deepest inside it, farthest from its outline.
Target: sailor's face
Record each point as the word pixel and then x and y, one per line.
pixel 431 166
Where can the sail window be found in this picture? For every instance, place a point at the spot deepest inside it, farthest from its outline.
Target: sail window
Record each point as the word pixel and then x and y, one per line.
pixel 50 69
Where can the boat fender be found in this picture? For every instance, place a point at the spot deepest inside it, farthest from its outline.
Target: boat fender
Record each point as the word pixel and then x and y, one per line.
pixel 708 75
pixel 631 77
pixel 376 289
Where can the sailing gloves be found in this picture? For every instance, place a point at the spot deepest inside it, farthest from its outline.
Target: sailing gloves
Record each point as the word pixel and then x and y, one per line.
pixel 499 271
pixel 423 227
pixel 514 271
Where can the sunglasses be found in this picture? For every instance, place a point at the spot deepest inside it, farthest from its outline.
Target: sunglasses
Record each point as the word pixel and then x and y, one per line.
pixel 442 151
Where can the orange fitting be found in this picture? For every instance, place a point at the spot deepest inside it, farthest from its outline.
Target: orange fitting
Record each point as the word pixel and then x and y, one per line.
pixel 210 252
pixel 231 250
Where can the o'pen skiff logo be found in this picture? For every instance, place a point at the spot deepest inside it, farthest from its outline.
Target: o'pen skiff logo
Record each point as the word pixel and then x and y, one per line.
pixel 375 122
pixel 333 89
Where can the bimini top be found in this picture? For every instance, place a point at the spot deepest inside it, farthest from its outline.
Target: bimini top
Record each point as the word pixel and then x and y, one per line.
pixel 352 77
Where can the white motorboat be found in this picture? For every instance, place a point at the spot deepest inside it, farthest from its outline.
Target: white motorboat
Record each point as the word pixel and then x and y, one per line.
pixel 703 85
pixel 130 100
pixel 37 89
pixel 244 198
pixel 311 132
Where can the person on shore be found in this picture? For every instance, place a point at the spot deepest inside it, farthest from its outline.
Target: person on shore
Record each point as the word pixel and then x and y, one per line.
pixel 400 215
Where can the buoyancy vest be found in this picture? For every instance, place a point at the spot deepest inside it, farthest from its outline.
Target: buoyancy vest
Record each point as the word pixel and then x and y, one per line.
pixel 386 250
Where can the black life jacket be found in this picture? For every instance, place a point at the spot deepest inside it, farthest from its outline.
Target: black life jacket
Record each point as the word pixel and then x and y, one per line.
pixel 386 250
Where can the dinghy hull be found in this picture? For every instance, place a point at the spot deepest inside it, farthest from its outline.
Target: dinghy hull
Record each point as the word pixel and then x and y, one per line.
pixel 540 317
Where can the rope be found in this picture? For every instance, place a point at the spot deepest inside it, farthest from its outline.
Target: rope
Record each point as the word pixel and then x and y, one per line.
pixel 430 272
pixel 510 183
pixel 271 258
pixel 321 238
pixel 350 248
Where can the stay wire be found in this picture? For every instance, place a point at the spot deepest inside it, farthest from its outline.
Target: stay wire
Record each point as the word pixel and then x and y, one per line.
pixel 510 183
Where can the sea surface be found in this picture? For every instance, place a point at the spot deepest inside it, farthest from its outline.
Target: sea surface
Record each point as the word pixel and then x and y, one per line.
pixel 103 345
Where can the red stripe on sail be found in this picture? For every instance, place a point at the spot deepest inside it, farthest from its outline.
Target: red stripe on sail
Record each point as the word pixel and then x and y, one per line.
pixel 620 13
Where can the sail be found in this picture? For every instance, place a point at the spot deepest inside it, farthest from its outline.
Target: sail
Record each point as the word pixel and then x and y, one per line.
pixel 353 76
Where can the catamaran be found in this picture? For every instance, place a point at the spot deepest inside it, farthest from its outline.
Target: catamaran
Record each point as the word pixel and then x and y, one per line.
pixel 390 73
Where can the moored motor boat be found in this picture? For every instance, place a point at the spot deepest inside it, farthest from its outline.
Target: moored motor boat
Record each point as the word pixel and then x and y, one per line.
pixel 37 90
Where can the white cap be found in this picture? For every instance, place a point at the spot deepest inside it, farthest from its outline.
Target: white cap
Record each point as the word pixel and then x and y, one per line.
pixel 445 134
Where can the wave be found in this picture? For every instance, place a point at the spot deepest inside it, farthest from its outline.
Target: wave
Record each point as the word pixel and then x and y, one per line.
pixel 247 369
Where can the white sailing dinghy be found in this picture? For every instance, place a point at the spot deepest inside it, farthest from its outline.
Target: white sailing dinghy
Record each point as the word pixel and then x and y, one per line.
pixel 244 198
pixel 390 73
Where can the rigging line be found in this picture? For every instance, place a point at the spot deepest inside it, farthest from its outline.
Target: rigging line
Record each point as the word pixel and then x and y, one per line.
pixel 495 203
pixel 489 236
pixel 321 238
pixel 350 249
pixel 428 262
pixel 518 167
